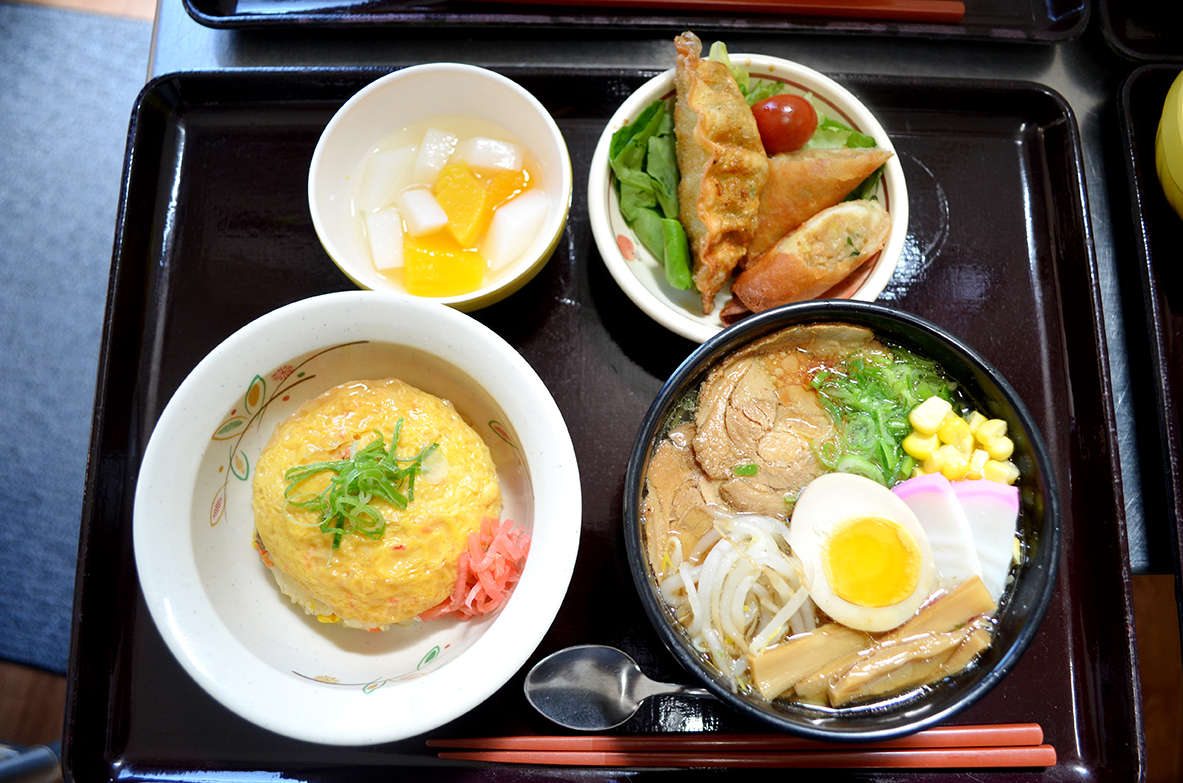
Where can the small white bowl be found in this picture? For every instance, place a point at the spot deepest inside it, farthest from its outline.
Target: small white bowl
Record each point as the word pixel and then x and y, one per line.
pixel 217 606
pixel 642 277
pixel 418 93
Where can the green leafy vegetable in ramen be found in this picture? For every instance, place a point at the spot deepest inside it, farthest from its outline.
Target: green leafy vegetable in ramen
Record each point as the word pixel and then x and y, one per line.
pixel 868 395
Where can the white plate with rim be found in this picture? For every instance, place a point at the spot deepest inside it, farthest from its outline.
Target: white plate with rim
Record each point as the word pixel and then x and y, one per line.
pixel 642 277
pixel 217 606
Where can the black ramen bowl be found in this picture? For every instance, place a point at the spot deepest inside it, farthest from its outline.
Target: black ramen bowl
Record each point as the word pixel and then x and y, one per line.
pixel 1022 606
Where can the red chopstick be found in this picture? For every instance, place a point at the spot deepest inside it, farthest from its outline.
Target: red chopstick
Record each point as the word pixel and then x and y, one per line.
pixel 970 736
pixel 941 11
pixel 1001 745
pixel 944 758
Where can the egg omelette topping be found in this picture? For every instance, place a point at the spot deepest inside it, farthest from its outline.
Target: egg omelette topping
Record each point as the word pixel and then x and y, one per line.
pixel 371 572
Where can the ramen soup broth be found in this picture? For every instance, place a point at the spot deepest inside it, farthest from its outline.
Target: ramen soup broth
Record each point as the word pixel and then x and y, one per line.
pixel 688 514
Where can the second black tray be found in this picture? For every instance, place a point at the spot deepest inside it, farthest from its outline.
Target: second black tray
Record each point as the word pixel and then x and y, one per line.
pixel 1156 309
pixel 988 20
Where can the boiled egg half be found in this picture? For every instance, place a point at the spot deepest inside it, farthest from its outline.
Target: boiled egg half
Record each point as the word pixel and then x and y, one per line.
pixel 868 563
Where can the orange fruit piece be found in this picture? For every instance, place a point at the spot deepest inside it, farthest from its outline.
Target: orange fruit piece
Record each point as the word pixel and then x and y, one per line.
pixel 465 201
pixel 506 184
pixel 437 265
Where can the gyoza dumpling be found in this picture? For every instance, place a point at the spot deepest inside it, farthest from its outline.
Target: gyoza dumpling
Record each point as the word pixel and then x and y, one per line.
pixel 722 163
pixel 802 183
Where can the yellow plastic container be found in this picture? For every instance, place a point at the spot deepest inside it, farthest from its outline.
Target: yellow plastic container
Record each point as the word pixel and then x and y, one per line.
pixel 1168 146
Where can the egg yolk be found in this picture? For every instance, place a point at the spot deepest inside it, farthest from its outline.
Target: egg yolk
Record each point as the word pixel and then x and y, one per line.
pixel 872 561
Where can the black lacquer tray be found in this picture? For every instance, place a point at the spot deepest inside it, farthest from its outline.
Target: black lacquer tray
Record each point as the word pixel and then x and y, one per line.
pixel 214 231
pixel 1156 304
pixel 993 20
pixel 1143 30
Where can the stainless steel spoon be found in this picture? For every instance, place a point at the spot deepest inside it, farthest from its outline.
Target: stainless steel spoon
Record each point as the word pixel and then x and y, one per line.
pixel 592 687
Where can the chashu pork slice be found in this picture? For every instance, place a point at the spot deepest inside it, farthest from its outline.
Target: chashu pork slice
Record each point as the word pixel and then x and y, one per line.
pixel 758 408
pixel 677 502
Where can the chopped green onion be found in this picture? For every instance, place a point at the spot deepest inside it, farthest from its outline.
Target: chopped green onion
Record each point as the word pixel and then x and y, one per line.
pixel 861 467
pixel 345 505
pixel 748 469
pixel 868 397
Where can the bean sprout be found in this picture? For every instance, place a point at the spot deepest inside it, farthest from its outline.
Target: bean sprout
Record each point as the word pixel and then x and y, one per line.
pixel 739 591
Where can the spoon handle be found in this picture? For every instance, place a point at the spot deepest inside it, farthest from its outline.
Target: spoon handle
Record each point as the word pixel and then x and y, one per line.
pixel 646 688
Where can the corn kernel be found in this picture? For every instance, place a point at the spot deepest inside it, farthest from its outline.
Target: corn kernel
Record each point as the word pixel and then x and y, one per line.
pixel 1001 449
pixel 935 462
pixel 1001 472
pixel 975 420
pixel 928 415
pixel 918 446
pixel 917 471
pixel 955 463
pixel 989 431
pixel 955 431
pixel 977 461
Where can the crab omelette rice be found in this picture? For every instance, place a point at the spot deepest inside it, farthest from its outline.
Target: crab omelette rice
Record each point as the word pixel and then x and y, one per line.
pixel 394 554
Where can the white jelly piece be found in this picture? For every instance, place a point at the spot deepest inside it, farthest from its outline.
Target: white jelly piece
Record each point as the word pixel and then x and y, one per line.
pixel 434 152
pixel 422 213
pixel 387 174
pixel 385 230
pixel 489 155
pixel 514 226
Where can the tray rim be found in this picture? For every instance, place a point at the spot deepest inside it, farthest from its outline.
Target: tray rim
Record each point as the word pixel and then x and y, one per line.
pixel 169 82
pixel 1115 41
pixel 1140 177
pixel 654 22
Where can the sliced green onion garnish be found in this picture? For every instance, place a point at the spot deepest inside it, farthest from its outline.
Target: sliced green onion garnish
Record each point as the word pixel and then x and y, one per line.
pixel 868 397
pixel 860 467
pixel 748 469
pixel 344 506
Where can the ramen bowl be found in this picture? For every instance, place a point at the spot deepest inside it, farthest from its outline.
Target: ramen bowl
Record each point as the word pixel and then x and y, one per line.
pixel 212 596
pixel 464 100
pixel 1023 602
pixel 642 277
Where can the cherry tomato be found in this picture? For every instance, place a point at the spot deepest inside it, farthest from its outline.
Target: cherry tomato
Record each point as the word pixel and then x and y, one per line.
pixel 785 121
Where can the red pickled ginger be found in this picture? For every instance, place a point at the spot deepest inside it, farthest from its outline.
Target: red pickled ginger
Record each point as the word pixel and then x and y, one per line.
pixel 489 569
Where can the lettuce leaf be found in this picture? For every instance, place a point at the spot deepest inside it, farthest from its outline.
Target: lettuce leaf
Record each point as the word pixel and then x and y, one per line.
pixel 677 255
pixel 753 90
pixel 643 156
